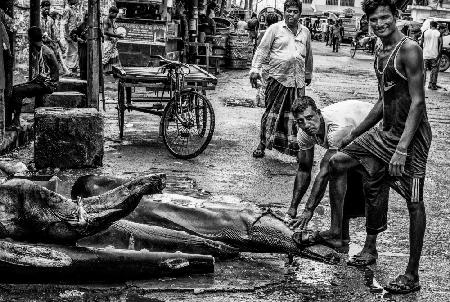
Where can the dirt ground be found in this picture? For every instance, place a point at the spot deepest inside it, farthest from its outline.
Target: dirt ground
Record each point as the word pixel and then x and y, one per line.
pixel 226 169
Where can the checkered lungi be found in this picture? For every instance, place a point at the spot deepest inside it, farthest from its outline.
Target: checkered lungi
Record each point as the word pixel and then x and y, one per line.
pixel 278 130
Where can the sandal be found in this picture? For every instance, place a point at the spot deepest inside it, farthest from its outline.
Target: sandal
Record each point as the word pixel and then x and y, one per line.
pixel 258 153
pixel 402 285
pixel 362 259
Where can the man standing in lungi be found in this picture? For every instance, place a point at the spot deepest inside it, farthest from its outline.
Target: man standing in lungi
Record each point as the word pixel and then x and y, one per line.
pixel 110 52
pixel 287 46
pixel 394 153
pixel 71 18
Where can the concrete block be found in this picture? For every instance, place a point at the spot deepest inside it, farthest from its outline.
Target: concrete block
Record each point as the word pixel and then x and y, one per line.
pixel 66 99
pixel 68 138
pixel 72 84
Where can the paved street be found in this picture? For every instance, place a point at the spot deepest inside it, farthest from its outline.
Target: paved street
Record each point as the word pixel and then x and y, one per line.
pixel 227 170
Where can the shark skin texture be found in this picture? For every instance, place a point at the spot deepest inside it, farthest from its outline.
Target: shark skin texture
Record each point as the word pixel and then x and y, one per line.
pixel 174 222
pixel 39 230
pixel 29 212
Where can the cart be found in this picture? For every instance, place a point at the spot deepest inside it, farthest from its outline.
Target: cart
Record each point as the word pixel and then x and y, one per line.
pixel 170 93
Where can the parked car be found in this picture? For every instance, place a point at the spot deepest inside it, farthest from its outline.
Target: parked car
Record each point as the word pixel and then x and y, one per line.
pixel 444 63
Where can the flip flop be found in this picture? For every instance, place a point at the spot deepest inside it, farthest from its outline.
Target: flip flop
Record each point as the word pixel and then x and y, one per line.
pixel 258 153
pixel 402 285
pixel 360 260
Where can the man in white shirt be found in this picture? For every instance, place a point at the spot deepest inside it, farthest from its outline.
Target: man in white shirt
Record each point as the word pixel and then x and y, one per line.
pixel 326 128
pixel 324 28
pixel 432 45
pixel 287 46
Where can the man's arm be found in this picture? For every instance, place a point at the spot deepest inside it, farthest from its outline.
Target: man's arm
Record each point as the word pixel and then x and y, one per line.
pixel 412 63
pixel 317 192
pixel 52 63
pixel 440 42
pixel 308 60
pixel 421 39
pixel 261 53
pixel 302 179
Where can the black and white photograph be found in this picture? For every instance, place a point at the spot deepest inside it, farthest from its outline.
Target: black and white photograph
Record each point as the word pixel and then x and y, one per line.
pixel 225 150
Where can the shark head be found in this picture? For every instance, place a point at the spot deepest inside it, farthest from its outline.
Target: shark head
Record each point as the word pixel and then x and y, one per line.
pixel 45 216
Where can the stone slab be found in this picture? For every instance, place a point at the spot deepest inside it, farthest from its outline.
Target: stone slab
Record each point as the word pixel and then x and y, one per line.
pixel 68 138
pixel 66 99
pixel 72 84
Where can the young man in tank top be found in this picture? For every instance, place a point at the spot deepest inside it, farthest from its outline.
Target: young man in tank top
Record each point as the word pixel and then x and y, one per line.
pixel 395 153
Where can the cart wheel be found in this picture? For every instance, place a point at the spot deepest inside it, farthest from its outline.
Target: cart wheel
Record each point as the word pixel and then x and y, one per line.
pixel 188 125
pixel 120 118
pixel 121 109
pixel 353 46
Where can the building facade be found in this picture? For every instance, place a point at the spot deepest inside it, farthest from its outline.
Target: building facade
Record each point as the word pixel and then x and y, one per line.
pixel 423 9
pixel 316 7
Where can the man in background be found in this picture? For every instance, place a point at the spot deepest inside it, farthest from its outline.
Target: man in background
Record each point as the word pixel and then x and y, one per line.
pixel 71 19
pixel 286 46
pixel 45 75
pixel 431 43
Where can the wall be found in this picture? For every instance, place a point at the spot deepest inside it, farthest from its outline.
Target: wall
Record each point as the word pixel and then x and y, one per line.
pixel 22 23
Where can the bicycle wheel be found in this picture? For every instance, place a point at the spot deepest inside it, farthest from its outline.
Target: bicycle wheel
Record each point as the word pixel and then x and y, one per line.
pixel 188 125
pixel 353 46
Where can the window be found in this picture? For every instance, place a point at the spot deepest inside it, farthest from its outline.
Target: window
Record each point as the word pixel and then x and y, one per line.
pixel 307 1
pixel 347 2
pixel 332 2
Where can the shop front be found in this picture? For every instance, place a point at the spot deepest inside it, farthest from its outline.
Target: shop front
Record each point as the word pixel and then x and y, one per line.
pixel 148 30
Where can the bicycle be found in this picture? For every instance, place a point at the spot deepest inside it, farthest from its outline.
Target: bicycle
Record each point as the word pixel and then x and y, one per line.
pixel 367 46
pixel 187 120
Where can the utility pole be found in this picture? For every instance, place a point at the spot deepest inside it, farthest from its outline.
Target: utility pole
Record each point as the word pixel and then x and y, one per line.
pixel 35 20
pixel 5 113
pixel 93 76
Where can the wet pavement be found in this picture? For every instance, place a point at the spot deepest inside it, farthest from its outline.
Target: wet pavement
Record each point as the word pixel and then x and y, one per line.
pixel 227 170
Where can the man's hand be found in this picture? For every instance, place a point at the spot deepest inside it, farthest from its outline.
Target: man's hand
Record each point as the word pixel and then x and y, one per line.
pixel 302 221
pixel 307 82
pixel 397 164
pixel 346 140
pixel 254 76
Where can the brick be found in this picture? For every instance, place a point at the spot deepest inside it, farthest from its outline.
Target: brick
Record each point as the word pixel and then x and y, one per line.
pixel 66 99
pixel 68 138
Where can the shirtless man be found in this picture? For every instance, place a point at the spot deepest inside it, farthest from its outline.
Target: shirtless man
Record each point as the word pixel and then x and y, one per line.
pixel 395 153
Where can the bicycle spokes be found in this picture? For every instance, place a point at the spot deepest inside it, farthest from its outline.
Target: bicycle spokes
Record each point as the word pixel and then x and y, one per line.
pixel 188 124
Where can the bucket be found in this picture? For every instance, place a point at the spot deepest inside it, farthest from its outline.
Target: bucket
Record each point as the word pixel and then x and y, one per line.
pixel 223 26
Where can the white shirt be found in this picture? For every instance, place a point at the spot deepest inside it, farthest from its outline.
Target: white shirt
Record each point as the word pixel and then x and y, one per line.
pixel 290 56
pixel 324 27
pixel 431 43
pixel 340 119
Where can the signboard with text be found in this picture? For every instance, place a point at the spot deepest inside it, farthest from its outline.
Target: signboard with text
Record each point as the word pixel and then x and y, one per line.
pixel 142 31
